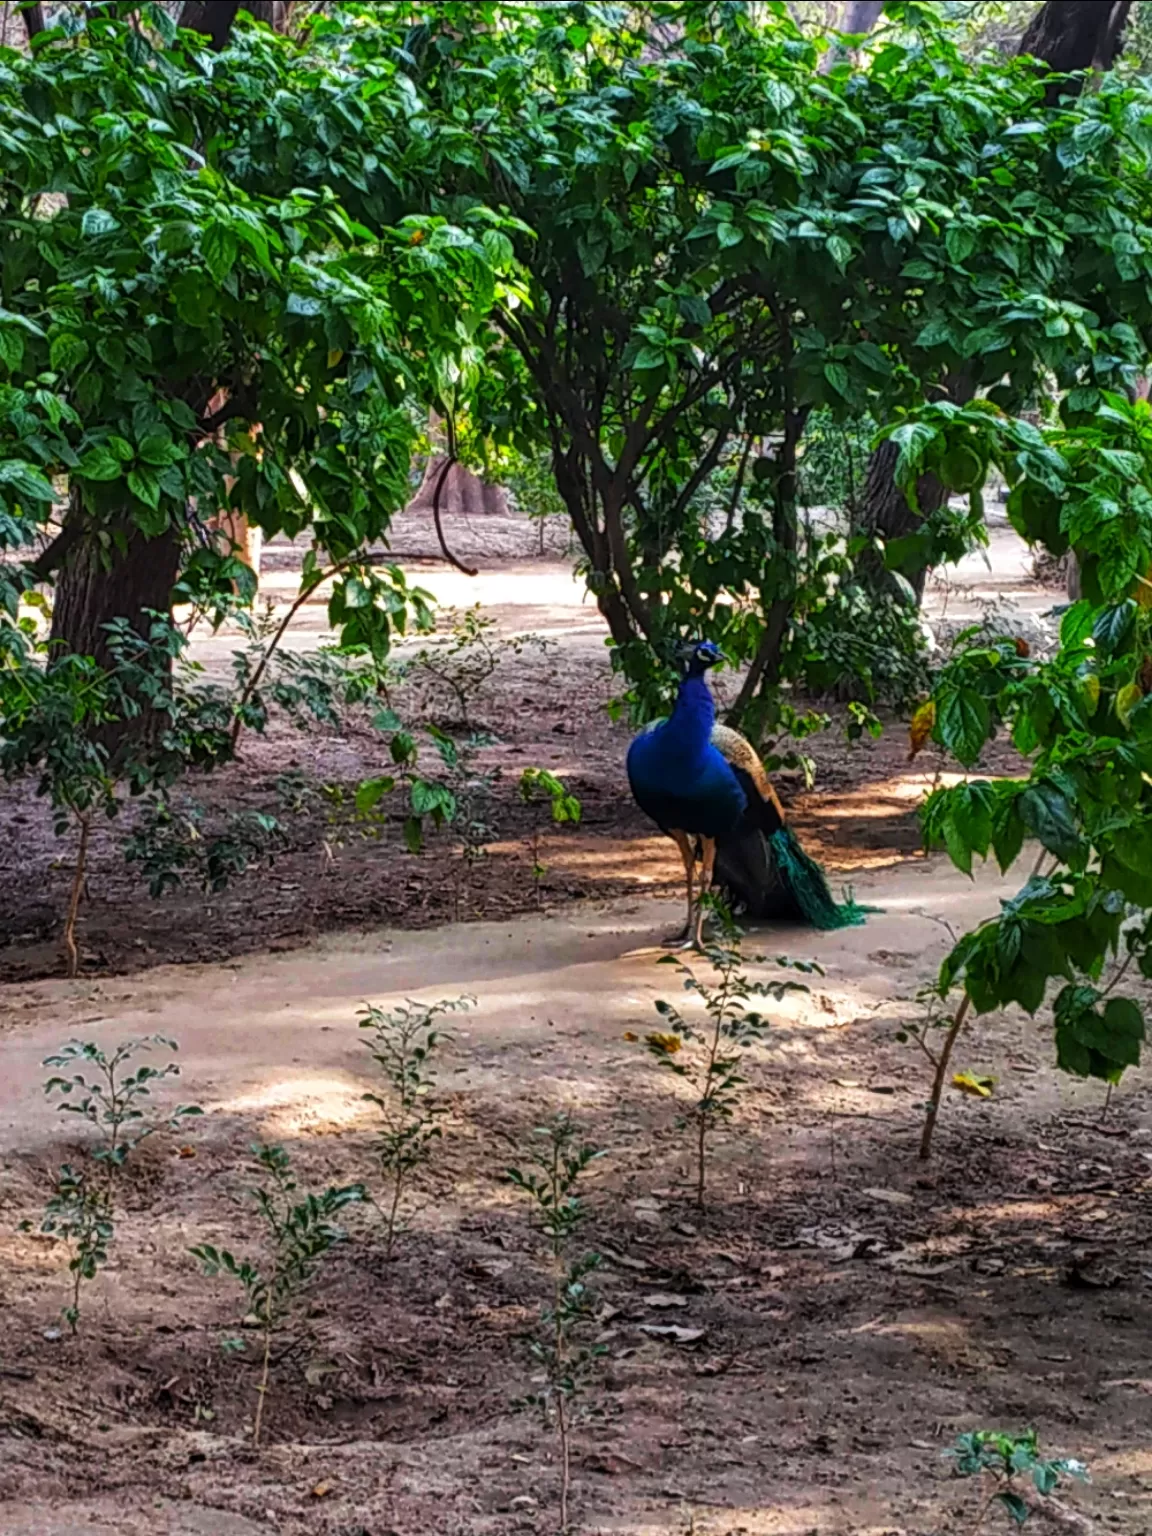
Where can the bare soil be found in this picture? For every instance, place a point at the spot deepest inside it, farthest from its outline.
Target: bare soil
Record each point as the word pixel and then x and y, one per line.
pixel 846 1309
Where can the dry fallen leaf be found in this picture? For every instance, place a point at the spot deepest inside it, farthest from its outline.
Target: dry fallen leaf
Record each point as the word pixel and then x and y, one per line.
pixel 672 1333
pixel 321 1490
pixel 668 1044
pixel 920 728
pixel 662 1300
pixel 972 1082
pixel 889 1196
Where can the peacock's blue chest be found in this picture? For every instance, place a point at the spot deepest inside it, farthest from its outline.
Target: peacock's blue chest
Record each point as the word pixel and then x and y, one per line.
pixel 678 777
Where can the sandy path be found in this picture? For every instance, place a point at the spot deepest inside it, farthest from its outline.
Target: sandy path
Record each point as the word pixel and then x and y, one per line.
pixel 269 1036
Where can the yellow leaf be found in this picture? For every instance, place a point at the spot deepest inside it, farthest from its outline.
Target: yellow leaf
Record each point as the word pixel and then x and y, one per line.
pixel 1127 700
pixel 334 357
pixel 971 1082
pixel 631 1035
pixel 921 727
pixel 1090 686
pixel 1142 589
pixel 669 1044
pixel 321 1490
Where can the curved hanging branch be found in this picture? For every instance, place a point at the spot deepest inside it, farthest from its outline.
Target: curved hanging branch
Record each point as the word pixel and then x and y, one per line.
pixel 437 493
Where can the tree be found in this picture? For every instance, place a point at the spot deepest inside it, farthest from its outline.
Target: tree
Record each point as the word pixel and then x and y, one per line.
pixel 710 263
pixel 166 285
pixel 1068 37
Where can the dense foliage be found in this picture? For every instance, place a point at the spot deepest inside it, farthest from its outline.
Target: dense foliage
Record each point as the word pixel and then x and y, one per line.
pixel 1083 719
pixel 726 240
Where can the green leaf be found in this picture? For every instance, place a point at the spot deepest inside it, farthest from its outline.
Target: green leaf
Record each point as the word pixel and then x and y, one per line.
pixel 157 448
pixel 649 357
pixel 1113 626
pixel 219 247
pixel 963 723
pixel 837 376
pixel 695 309
pixel 413 834
pixel 1076 625
pixel 98 221
pixel 840 250
pixel 99 463
pixel 1047 813
pixel 145 486
pixel 27 482
pixel 960 242
pixel 371 792
pixel 11 349
pixel 728 235
pixel 67 352
pixel 1015 1505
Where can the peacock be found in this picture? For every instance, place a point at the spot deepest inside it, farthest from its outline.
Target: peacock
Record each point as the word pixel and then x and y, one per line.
pixel 704 785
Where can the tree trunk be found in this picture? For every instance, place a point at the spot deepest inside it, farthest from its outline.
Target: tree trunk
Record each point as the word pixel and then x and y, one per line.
pixel 92 591
pixel 885 512
pixel 212 18
pixel 1071 35
pixel 859 19
pixel 33 20
pixel 1066 35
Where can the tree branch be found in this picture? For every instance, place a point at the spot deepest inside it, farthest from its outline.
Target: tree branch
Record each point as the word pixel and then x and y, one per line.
pixel 54 555
pixel 436 495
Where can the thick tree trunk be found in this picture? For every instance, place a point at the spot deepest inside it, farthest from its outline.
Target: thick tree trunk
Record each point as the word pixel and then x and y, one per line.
pixel 33 20
pixel 1071 35
pixel 92 591
pixel 885 512
pixel 212 18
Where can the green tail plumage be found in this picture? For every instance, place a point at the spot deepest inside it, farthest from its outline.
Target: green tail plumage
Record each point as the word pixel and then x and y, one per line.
pixel 806 882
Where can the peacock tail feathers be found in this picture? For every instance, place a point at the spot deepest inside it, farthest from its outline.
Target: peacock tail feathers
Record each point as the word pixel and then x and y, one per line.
pixel 808 885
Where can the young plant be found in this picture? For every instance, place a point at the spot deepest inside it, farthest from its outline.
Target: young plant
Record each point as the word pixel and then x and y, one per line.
pixel 555 1162
pixel 81 1209
pixel 940 1014
pixel 464 661
pixel 1001 1462
pixel 110 1098
pixel 470 794
pixel 79 1213
pixel 710 1058
pixel 403 1044
pixel 540 788
pixel 299 1230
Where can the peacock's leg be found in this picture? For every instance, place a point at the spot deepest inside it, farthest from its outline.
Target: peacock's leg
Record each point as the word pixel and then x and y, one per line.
pixel 705 886
pixel 688 854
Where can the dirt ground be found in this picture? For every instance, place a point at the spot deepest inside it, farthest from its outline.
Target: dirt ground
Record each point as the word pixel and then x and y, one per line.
pixel 845 1310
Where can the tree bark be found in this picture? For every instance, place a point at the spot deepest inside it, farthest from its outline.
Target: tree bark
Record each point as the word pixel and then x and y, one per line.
pixel 861 16
pixel 92 591
pixel 885 512
pixel 1073 35
pixel 212 18
pixel 34 22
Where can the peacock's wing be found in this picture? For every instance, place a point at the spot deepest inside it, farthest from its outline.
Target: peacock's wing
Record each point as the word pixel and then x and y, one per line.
pixel 740 753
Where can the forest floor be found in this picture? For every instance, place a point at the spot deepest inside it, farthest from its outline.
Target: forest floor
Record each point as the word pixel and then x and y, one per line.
pixel 843 1309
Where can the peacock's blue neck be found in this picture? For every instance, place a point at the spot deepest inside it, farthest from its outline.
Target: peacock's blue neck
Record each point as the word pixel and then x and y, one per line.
pixel 690 724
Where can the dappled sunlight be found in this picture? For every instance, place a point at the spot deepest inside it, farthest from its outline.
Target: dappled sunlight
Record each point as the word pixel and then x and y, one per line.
pixel 293 1105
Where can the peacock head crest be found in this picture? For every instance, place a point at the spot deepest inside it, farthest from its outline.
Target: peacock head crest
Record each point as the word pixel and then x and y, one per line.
pixel 696 656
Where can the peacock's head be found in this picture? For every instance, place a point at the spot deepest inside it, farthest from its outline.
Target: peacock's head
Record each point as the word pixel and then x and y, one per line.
pixel 696 656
